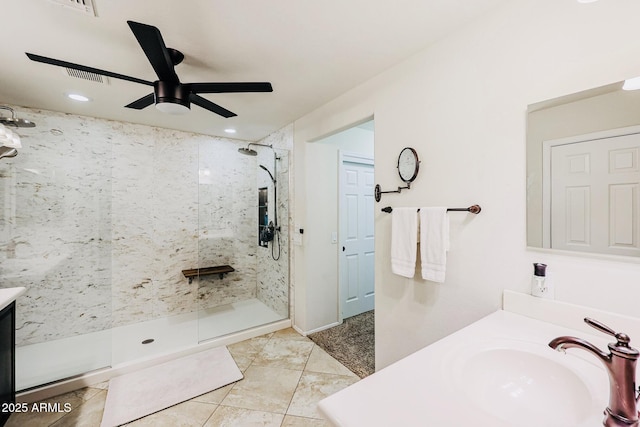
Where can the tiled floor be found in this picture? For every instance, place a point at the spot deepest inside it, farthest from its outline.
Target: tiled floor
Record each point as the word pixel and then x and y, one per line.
pixel 285 375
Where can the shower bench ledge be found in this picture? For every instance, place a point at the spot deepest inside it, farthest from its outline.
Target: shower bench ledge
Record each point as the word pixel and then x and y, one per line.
pixel 219 269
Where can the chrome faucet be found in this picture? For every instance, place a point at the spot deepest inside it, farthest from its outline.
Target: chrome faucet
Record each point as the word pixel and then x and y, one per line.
pixel 621 367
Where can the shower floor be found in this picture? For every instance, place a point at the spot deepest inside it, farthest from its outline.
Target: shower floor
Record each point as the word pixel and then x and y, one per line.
pixel 41 363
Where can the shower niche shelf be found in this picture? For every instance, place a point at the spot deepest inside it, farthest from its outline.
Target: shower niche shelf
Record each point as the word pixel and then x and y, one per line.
pixel 221 270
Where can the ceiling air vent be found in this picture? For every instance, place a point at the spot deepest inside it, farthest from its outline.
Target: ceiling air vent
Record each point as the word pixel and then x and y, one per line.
pixel 85 6
pixel 71 72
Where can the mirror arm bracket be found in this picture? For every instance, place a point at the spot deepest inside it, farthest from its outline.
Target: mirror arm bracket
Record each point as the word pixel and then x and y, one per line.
pixel 378 191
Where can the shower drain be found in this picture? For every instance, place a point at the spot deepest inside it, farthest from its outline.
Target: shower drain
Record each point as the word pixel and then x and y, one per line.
pixel 148 341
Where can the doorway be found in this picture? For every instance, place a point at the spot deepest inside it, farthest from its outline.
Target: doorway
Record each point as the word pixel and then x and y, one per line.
pixel 356 249
pixel 349 157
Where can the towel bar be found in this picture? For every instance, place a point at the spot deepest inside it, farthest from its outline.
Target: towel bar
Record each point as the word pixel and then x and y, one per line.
pixel 474 209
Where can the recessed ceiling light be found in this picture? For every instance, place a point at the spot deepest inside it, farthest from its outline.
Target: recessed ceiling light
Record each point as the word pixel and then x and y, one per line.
pixel 587 1
pixel 78 97
pixel 229 130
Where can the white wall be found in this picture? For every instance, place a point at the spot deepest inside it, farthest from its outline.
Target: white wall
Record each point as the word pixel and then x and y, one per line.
pixel 355 139
pixel 461 104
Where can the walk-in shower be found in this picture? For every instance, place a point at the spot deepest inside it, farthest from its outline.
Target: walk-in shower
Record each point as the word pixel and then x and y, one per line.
pixel 99 225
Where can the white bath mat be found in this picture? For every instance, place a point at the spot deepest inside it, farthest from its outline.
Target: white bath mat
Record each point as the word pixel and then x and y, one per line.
pixel 135 395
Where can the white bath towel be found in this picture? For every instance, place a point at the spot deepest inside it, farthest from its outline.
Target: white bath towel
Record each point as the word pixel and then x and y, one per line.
pixel 434 243
pixel 404 241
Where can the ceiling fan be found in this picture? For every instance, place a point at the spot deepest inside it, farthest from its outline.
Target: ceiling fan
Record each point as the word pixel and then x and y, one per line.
pixel 169 94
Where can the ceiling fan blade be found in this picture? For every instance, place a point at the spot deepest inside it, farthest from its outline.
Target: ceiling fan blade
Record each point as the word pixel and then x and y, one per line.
pixel 231 87
pixel 66 64
pixel 208 105
pixel 152 44
pixel 143 102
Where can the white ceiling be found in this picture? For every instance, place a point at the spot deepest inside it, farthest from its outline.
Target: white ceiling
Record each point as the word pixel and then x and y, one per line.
pixel 311 52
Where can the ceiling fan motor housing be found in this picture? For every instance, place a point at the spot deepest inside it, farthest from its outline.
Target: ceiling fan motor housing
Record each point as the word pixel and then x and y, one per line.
pixel 174 93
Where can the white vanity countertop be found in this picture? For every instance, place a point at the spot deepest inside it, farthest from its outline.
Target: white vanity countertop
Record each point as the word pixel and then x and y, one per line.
pixel 8 295
pixel 431 386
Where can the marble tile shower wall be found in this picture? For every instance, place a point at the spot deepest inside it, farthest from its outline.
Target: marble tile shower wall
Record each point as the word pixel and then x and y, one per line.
pixel 273 275
pixel 100 218
pixel 56 227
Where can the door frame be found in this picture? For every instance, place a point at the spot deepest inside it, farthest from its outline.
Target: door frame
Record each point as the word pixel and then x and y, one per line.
pixel 546 169
pixel 351 157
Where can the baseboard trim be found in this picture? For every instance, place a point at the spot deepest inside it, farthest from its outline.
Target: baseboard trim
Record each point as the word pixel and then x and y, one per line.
pixel 322 328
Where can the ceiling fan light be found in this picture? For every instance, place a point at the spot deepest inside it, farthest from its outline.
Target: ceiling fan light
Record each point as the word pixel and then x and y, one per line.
pixel 172 98
pixel 172 108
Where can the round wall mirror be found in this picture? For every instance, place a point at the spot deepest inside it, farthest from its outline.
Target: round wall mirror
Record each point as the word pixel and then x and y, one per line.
pixel 408 164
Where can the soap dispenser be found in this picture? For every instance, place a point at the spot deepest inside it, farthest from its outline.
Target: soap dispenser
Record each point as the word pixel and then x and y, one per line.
pixel 540 283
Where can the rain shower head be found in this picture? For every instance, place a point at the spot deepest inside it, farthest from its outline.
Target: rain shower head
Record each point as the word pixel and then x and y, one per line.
pixel 8 152
pixel 247 151
pixel 272 178
pixel 14 121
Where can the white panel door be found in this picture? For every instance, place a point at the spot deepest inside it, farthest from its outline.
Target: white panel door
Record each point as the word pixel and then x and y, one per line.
pixel 594 196
pixel 356 238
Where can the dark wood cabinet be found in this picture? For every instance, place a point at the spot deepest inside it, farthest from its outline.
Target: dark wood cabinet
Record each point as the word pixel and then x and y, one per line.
pixel 7 360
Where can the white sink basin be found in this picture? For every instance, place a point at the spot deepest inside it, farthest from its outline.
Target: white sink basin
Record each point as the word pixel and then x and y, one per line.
pixel 496 372
pixel 530 383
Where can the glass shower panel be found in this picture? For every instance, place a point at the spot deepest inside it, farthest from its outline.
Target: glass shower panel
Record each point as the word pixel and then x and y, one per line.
pixel 256 291
pixel 56 242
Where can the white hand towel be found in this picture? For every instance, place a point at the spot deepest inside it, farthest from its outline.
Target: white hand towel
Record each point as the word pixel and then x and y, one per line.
pixel 404 241
pixel 434 243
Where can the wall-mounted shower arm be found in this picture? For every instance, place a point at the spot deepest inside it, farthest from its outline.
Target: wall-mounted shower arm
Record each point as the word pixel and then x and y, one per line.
pixel 13 120
pixel 260 145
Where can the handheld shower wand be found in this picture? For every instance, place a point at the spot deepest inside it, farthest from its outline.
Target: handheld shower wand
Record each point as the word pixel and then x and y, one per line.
pixel 272 178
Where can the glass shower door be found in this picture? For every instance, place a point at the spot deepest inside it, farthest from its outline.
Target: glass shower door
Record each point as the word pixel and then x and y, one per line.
pixel 55 232
pixel 235 196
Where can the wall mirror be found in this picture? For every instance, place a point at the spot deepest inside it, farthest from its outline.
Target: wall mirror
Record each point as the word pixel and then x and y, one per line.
pixel 583 176
pixel 408 164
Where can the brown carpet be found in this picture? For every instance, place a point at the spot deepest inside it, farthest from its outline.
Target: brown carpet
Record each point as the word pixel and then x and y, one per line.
pixel 351 343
